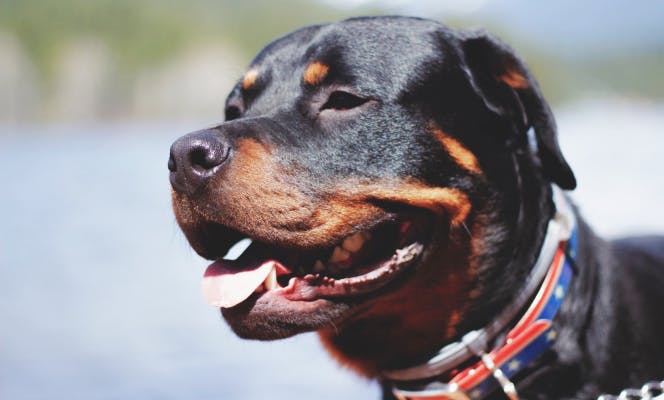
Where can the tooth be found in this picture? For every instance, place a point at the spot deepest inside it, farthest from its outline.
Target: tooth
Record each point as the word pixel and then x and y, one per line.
pixel 353 243
pixel 237 249
pixel 339 254
pixel 319 266
pixel 271 280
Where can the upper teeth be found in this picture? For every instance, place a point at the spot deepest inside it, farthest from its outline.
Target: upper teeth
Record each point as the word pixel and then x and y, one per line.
pixel 339 254
pixel 271 280
pixel 353 243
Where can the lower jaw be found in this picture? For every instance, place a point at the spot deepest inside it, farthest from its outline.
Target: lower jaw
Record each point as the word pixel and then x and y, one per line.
pixel 275 317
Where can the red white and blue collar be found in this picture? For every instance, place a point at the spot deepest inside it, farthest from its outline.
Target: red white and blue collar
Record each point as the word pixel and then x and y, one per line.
pixel 530 337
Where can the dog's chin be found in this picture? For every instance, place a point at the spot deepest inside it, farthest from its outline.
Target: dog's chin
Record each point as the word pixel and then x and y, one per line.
pixel 270 320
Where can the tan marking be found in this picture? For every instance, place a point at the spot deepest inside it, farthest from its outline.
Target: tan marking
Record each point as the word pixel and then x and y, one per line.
pixel 441 200
pixel 250 78
pixel 461 155
pixel 514 79
pixel 182 208
pixel 315 73
pixel 455 318
pixel 452 202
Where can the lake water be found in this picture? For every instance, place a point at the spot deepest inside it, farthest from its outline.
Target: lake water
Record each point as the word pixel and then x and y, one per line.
pixel 100 292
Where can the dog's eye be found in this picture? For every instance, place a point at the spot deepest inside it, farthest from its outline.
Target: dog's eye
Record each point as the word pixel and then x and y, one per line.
pixel 340 100
pixel 232 112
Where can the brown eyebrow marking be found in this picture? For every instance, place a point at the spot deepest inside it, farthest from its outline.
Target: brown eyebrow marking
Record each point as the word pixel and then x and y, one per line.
pixel 461 155
pixel 315 73
pixel 250 78
pixel 514 79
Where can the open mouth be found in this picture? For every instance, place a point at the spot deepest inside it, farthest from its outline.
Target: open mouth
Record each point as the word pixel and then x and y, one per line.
pixel 363 262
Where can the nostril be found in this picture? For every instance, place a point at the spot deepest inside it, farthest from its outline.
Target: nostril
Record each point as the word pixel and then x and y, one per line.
pixel 195 158
pixel 206 156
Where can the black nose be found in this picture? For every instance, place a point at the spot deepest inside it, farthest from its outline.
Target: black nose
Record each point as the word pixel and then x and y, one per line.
pixel 195 158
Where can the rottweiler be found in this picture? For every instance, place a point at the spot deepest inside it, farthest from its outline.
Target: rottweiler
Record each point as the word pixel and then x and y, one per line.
pixel 402 186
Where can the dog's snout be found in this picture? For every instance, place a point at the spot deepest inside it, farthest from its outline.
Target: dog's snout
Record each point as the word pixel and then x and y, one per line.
pixel 195 158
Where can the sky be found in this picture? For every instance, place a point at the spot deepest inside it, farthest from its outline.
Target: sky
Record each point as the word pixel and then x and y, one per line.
pixel 585 27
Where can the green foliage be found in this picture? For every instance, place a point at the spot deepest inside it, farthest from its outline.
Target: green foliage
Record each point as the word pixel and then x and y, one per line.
pixel 147 32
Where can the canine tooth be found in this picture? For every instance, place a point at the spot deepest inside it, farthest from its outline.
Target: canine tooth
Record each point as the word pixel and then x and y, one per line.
pixel 237 249
pixel 271 280
pixel 339 254
pixel 353 243
pixel 319 266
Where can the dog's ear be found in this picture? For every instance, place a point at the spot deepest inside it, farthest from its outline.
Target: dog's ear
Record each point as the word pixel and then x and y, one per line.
pixel 508 88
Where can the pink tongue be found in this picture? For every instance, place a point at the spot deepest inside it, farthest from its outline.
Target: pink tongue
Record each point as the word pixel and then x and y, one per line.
pixel 225 284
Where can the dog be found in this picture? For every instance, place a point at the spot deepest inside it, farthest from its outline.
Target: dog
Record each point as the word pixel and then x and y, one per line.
pixel 403 188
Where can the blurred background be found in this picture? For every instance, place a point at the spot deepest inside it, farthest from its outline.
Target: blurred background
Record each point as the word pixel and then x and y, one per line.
pixel 100 292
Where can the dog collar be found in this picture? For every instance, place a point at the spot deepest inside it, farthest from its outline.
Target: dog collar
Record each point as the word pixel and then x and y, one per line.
pixel 530 337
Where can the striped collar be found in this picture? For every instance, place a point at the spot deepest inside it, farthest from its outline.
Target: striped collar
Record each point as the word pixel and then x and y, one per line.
pixel 531 336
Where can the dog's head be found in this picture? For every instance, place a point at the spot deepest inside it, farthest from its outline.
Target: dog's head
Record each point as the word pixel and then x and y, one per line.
pixel 382 168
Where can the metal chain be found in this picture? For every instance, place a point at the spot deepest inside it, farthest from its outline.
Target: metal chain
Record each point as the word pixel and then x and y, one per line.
pixel 650 391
